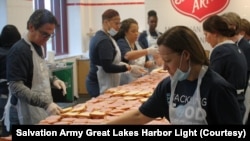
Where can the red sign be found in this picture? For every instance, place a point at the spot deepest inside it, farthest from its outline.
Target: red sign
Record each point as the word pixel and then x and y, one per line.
pixel 199 9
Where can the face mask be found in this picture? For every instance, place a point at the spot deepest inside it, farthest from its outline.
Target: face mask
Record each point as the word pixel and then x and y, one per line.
pixel 180 75
pixel 112 31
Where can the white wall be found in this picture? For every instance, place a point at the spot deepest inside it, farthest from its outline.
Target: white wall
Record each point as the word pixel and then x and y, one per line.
pixel 3 11
pixel 17 13
pixel 85 16
pixel 169 17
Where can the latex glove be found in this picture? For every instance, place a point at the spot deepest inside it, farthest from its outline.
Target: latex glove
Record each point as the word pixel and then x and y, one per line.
pixel 152 50
pixel 138 69
pixel 53 109
pixel 59 84
pixel 122 63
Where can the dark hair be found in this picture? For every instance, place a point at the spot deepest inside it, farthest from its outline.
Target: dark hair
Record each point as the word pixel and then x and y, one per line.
pixel 180 38
pixel 41 17
pixel 245 26
pixel 109 14
pixel 152 13
pixel 233 19
pixel 9 35
pixel 125 25
pixel 217 24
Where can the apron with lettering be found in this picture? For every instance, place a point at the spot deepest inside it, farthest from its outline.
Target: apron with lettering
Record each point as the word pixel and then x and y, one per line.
pixel 191 112
pixel 129 77
pixel 28 114
pixel 108 80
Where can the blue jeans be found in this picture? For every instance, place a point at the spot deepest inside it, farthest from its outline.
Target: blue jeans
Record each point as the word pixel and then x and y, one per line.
pixel 92 88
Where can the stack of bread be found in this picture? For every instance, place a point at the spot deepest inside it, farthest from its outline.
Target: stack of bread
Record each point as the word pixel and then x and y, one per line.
pixel 112 103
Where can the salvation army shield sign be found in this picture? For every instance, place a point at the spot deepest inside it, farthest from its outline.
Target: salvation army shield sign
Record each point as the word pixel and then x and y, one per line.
pixel 199 9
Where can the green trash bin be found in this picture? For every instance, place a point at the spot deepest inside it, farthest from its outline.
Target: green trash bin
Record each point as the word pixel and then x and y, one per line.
pixel 65 74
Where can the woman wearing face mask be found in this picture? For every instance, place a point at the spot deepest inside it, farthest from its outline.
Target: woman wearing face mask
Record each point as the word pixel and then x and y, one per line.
pixel 105 56
pixel 193 94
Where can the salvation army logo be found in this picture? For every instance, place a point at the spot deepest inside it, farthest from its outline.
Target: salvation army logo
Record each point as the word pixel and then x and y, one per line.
pixel 199 9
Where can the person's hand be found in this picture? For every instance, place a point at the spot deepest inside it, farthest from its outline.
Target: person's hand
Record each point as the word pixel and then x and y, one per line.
pixel 152 50
pixel 59 84
pixel 127 65
pixel 158 60
pixel 53 109
pixel 138 69
pixel 122 63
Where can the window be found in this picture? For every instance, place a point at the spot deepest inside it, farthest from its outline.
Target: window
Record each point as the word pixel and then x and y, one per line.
pixel 59 43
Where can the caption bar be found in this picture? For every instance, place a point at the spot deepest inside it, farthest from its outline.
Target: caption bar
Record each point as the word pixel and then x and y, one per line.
pixel 87 131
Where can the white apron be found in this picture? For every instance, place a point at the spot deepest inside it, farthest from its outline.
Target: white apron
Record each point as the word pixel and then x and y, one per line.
pixel 191 112
pixel 28 114
pixel 127 77
pixel 109 80
pixel 247 103
pixel 152 42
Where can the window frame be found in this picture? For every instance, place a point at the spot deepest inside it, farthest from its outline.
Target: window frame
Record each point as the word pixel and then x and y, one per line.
pixel 60 40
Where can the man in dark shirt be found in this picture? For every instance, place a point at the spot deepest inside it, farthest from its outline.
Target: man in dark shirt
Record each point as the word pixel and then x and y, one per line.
pixel 28 75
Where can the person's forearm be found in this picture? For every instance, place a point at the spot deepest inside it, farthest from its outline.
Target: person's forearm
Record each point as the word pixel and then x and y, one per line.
pixel 135 54
pixel 109 67
pixel 34 98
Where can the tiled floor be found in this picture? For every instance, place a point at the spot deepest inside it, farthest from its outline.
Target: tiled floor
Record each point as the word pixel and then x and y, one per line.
pixel 83 98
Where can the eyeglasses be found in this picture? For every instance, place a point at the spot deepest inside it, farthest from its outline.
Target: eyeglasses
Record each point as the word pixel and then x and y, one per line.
pixel 116 22
pixel 45 34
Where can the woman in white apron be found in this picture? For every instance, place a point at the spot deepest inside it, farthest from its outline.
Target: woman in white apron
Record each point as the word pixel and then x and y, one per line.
pixel 105 56
pixel 109 80
pixel 132 52
pixel 181 114
pixel 148 38
pixel 193 93
pixel 128 77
